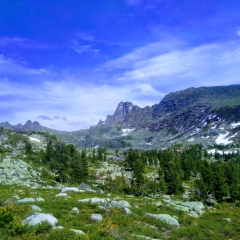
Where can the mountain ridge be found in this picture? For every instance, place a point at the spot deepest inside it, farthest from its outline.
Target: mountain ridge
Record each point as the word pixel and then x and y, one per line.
pixel 193 113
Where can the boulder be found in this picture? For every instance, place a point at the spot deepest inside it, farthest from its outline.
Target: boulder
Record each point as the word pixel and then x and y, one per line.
pixel 96 217
pixel 227 219
pixel 75 210
pixel 194 206
pixel 165 218
pixel 26 200
pixel 210 202
pixel 38 218
pixel 102 202
pixel 39 199
pixel 57 227
pixel 107 203
pixel 36 208
pixel 70 189
pixel 77 231
pixel 120 204
pixel 85 186
pixel 61 195
pixel 127 211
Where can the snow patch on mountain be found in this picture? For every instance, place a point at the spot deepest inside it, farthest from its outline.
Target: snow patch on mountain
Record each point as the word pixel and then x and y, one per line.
pixel 235 124
pixel 222 139
pixel 34 139
pixel 126 131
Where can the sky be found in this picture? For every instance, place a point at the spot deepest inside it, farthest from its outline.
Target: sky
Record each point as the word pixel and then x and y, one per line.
pixel 68 63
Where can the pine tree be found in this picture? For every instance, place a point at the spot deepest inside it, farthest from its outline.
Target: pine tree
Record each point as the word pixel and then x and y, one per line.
pixel 28 148
pixel 84 165
pixel 220 182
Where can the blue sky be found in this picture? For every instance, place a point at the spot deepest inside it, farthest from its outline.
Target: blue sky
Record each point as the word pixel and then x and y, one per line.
pixel 68 63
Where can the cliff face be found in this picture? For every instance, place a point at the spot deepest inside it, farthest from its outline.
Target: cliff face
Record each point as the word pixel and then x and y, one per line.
pixel 129 115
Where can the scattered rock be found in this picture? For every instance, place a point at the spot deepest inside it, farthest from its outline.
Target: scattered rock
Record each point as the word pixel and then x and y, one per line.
pixel 158 204
pixel 227 219
pixel 75 210
pixel 77 231
pixel 70 189
pixel 120 204
pixel 26 200
pixel 127 211
pixel 57 227
pixel 210 202
pixel 165 218
pixel 107 203
pixel 61 195
pixel 85 186
pixel 38 218
pixel 96 217
pixel 39 199
pixel 104 203
pixel 36 208
pixel 194 206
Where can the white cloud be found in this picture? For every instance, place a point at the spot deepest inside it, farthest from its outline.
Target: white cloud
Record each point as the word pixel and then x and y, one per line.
pixel 142 53
pixel 68 104
pixel 143 76
pixel 21 42
pixel 84 48
pixel 206 65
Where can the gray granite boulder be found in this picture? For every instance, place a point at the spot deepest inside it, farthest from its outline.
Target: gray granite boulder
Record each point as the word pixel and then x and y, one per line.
pixel 107 203
pixel 127 211
pixel 70 189
pixel 75 210
pixel 194 206
pixel 36 208
pixel 85 186
pixel 26 200
pixel 77 231
pixel 61 195
pixel 165 218
pixel 96 217
pixel 38 218
pixel 102 202
pixel 120 204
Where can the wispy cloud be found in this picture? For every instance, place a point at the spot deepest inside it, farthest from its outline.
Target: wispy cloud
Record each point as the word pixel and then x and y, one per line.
pixel 143 76
pixel 84 43
pixel 20 42
pixel 73 103
pixel 182 66
pixel 142 53
pixel 78 48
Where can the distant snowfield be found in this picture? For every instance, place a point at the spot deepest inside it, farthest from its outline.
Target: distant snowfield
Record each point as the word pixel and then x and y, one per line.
pixel 213 151
pixel 34 139
pixel 235 124
pixel 126 131
pixel 221 139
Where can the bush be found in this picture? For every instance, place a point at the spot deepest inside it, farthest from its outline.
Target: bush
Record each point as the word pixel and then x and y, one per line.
pixel 63 234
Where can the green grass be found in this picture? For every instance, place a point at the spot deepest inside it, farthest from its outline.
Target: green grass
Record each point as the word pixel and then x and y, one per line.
pixel 116 224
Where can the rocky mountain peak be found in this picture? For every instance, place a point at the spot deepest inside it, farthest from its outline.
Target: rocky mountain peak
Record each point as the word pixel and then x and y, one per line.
pixel 123 110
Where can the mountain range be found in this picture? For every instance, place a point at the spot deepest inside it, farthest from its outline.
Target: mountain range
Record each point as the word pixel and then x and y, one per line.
pixel 206 115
